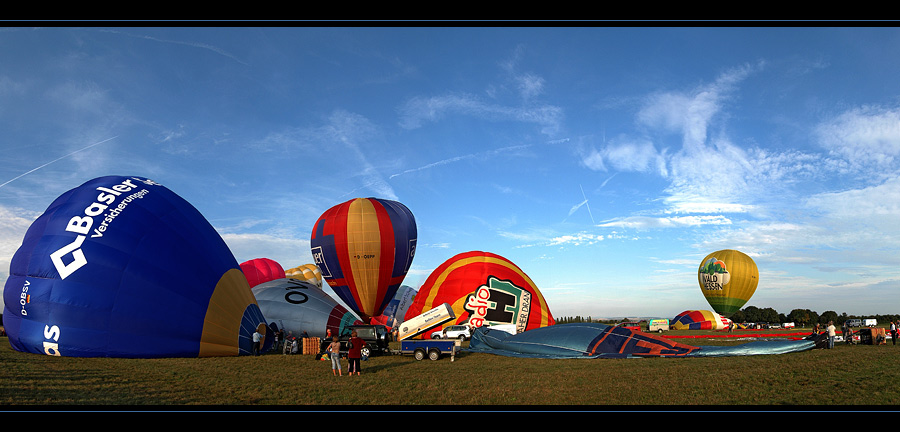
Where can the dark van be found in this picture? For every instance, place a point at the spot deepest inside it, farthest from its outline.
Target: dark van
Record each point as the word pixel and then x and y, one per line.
pixel 375 336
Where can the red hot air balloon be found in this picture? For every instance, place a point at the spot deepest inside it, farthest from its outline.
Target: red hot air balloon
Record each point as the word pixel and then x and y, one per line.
pixel 261 270
pixel 483 288
pixel 364 248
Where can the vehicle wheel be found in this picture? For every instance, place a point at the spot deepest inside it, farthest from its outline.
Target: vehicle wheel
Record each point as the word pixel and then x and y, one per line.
pixel 419 354
pixel 659 331
pixel 434 354
pixel 462 337
pixel 365 351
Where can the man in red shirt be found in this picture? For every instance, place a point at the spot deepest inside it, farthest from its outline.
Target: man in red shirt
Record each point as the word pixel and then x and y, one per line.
pixel 354 352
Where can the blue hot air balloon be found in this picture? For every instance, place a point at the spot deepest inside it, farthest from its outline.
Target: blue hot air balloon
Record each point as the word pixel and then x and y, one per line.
pixel 123 267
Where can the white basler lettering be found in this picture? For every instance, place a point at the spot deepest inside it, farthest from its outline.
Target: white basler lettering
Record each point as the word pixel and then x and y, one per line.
pixel 81 225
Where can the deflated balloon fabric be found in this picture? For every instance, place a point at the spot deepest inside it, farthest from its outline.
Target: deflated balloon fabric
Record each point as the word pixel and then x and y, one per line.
pixel 594 340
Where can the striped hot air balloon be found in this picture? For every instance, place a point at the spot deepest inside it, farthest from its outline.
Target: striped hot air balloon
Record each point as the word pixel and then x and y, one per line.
pixel 728 278
pixel 483 288
pixel 700 320
pixel 307 272
pixel 364 248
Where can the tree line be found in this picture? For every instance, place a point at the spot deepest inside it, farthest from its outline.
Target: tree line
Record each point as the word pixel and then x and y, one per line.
pixel 753 314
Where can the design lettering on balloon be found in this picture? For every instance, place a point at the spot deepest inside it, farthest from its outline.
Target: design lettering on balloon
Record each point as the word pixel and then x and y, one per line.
pixel 319 259
pixel 714 275
pixel 82 225
pixel 25 298
pixel 499 302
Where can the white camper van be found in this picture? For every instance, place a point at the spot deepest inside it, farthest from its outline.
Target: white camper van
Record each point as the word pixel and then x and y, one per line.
pixel 658 325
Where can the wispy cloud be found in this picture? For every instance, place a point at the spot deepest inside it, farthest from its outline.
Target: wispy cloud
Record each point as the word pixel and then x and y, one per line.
pixel 419 110
pixel 192 44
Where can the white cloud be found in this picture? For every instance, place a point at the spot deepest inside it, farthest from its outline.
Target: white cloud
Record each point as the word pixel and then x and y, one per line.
pixel 867 138
pixel 420 109
pixel 645 222
pixel 289 252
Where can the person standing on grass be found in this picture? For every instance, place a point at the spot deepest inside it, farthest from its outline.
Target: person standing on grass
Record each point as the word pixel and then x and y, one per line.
pixel 354 352
pixel 893 333
pixel 256 339
pixel 830 329
pixel 334 352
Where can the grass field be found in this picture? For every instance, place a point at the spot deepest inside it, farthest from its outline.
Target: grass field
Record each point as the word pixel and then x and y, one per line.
pixel 847 376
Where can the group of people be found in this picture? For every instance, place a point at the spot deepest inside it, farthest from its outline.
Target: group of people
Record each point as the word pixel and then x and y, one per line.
pixel 354 354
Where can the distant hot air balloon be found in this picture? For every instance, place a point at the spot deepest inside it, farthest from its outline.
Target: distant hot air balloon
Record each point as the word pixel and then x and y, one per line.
pixel 700 320
pixel 261 270
pixel 728 278
pixel 364 248
pixel 297 306
pixel 483 288
pixel 124 267
pixel 307 272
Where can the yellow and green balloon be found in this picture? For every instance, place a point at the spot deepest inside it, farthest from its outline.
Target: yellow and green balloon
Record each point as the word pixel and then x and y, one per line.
pixel 728 278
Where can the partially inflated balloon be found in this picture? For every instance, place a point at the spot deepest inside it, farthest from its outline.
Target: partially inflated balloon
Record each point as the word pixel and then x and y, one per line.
pixel 397 307
pixel 700 320
pixel 124 267
pixel 365 247
pixel 261 270
pixel 307 273
pixel 728 278
pixel 484 288
pixel 296 306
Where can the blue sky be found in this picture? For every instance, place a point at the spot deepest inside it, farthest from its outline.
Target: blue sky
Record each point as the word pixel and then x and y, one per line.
pixel 606 162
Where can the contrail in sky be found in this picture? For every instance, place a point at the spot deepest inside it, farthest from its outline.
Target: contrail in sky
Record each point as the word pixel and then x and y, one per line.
pixel 459 158
pixel 586 203
pixel 48 163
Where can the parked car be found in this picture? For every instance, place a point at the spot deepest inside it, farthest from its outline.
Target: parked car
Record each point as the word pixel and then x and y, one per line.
pixel 461 332
pixel 375 336
pixel 854 323
pixel 631 325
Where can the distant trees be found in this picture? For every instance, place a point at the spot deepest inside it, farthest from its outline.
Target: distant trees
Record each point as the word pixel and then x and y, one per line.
pixel 800 317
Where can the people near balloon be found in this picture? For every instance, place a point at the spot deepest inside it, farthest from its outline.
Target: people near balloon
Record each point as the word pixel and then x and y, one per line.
pixel 831 334
pixel 261 270
pixel 334 353
pixel 728 278
pixel 122 266
pixel 257 338
pixel 364 248
pixel 483 288
pixel 354 353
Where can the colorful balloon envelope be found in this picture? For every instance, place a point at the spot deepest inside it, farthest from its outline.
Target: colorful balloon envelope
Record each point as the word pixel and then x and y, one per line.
pixel 124 267
pixel 728 278
pixel 364 248
pixel 307 273
pixel 261 270
pixel 700 320
pixel 296 306
pixel 577 340
pixel 483 288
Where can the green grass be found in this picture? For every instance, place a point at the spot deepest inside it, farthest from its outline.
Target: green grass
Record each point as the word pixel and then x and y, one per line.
pixel 846 375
